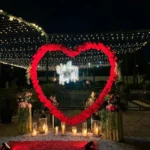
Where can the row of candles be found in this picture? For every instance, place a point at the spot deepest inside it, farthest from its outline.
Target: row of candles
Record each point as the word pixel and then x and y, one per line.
pixel 74 130
pixel 44 129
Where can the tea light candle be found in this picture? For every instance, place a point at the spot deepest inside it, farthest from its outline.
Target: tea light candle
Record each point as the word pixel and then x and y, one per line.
pixel 84 132
pixel 63 128
pixel 74 130
pixel 56 130
pixel 34 133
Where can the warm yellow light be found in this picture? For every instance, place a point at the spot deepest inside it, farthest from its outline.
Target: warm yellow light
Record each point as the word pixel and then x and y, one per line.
pixel 54 79
pixel 63 126
pixel 74 130
pixel 34 133
pixel 84 132
pixel 56 130
pixel 44 127
pixel 46 130
pixel 11 18
pixel 96 131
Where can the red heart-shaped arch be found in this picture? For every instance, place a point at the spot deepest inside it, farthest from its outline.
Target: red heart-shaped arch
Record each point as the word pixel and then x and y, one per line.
pixel 81 48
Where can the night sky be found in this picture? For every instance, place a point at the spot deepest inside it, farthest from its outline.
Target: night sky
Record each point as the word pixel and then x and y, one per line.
pixel 68 16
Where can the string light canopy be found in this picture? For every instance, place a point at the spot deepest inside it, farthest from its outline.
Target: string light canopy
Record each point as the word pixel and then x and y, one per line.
pixel 20 39
pixel 120 42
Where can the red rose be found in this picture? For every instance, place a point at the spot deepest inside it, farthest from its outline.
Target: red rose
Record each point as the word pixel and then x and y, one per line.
pixel 110 107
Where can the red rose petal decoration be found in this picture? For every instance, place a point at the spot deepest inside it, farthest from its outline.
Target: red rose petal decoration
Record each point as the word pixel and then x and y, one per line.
pixel 81 48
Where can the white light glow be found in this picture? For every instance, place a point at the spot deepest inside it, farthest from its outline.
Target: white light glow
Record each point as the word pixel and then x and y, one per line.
pixel 67 73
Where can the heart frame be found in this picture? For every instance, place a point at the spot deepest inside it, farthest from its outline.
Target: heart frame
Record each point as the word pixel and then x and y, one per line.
pixel 81 48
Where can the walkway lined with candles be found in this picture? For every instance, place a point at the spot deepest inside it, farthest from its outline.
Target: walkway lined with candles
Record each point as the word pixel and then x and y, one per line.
pixel 69 136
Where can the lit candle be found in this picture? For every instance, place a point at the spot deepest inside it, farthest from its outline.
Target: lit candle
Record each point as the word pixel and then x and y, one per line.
pixel 74 130
pixel 84 128
pixel 96 126
pixel 63 128
pixel 34 130
pixel 44 127
pixel 84 132
pixel 56 130
pixel 34 133
pixel 96 130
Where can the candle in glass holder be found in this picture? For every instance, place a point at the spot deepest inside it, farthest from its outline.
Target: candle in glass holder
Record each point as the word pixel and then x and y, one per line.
pixel 46 129
pixel 42 125
pixel 96 128
pixel 74 130
pixel 84 128
pixel 34 129
pixel 84 132
pixel 56 130
pixel 96 131
pixel 63 128
pixel 34 133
